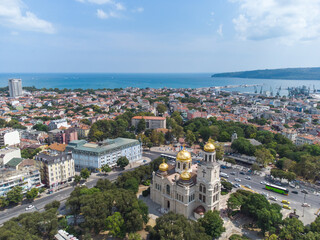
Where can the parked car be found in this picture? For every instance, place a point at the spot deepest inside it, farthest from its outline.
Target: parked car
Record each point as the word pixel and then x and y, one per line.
pixel 233 173
pixel 285 201
pixel 286 207
pixel 248 186
pixel 248 178
pixel 237 179
pixel 29 207
pixel 242 173
pixel 305 205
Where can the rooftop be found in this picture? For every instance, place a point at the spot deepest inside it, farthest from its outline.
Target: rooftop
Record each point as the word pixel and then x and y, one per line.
pixel 149 118
pixel 105 146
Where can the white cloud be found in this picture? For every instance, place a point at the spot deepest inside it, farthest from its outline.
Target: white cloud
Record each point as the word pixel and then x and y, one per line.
pixel 12 15
pixel 287 20
pixel 219 30
pixel 100 2
pixel 138 10
pixel 103 15
pixel 120 6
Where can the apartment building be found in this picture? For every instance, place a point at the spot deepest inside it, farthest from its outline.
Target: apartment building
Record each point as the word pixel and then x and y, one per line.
pixel 6 154
pixel 151 122
pixel 27 178
pixel 93 156
pixel 54 124
pixel 56 169
pixel 9 137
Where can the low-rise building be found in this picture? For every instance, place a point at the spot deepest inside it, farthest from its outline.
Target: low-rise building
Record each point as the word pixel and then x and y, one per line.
pixel 63 136
pixel 9 137
pixel 56 169
pixel 151 122
pixel 305 139
pixel 95 155
pixel 6 154
pixel 27 178
pixel 54 124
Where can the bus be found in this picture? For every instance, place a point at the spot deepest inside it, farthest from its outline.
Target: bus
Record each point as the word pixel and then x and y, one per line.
pixel 277 189
pixel 168 157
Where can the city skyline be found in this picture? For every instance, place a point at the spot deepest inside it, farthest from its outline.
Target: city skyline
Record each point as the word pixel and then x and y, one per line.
pixel 143 36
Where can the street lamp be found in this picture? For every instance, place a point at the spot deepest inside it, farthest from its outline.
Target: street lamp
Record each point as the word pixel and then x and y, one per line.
pixel 304 200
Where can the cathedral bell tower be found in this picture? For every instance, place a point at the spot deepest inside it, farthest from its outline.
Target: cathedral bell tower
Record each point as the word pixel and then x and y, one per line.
pixel 208 179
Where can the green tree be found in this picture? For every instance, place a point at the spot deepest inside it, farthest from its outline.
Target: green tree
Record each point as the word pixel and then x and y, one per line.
pixel 85 173
pixel 122 162
pixel 105 168
pixel 41 127
pixel 54 204
pixel 219 151
pixel 292 229
pixel 131 184
pixel 212 223
pixel 173 226
pixel 15 195
pixel 190 138
pixel 3 202
pixel 227 186
pixel 264 156
pixel 32 194
pixel 116 225
pixel 141 127
pixel 161 108
pixel 77 179
pixel 134 236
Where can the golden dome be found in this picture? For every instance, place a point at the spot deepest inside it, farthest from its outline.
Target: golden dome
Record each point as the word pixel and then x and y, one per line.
pixel 163 166
pixel 184 156
pixel 185 175
pixel 209 147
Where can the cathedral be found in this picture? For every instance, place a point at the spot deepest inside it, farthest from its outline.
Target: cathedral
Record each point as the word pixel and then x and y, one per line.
pixel 186 188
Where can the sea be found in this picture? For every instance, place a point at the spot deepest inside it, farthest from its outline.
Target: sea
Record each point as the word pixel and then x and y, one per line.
pixel 154 80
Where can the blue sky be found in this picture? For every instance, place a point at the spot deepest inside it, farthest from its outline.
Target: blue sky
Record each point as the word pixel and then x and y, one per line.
pixel 158 35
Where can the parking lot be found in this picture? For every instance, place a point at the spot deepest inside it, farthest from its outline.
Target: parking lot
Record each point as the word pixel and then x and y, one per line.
pixel 296 198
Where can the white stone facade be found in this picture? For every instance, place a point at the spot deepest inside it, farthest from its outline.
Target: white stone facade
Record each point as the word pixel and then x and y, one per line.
pixel 202 191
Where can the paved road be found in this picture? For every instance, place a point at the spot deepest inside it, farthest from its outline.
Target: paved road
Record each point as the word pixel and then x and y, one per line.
pixel 295 199
pixel 61 195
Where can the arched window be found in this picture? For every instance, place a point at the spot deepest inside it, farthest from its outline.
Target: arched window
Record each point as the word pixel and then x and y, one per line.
pixel 184 166
pixel 168 189
pixel 206 157
pixel 189 165
pixel 179 165
pixel 209 158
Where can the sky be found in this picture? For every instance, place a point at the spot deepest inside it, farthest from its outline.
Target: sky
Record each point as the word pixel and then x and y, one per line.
pixel 158 36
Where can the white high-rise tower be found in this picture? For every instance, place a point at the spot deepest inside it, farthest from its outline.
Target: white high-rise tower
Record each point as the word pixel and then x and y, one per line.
pixel 15 87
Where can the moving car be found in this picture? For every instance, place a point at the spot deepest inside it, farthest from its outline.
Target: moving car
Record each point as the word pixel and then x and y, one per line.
pixel 233 173
pixel 295 192
pixel 273 198
pixel 285 201
pixel 248 178
pixel 242 173
pixel 29 207
pixel 248 186
pixel 237 180
pixel 286 207
pixel 305 205
pixel 236 185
